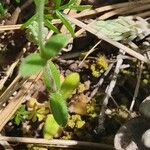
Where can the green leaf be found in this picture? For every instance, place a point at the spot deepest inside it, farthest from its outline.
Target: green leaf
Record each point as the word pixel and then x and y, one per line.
pixel 52 77
pixel 70 3
pixel 57 3
pixel 59 108
pixel 2 10
pixel 32 64
pixel 33 18
pixel 54 45
pixel 51 26
pixel 70 84
pixel 65 22
pixel 80 7
pixel 17 120
pixel 50 128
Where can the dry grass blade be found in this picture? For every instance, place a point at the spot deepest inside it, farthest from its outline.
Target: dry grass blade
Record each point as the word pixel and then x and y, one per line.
pixel 16 102
pixel 126 5
pixel 58 143
pixel 10 27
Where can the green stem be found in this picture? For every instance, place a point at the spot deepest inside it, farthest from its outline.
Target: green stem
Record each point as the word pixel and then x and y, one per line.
pixel 40 14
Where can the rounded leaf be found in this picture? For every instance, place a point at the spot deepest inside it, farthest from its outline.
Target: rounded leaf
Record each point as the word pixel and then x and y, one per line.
pixel 32 64
pixel 59 108
pixel 54 45
pixel 70 84
pixel 51 127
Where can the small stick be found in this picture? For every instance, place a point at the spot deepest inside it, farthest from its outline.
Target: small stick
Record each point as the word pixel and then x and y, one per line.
pixel 100 82
pixel 6 145
pixel 108 91
pixel 137 87
pixel 90 51
pixel 12 107
pixel 137 9
pixel 109 7
pixel 57 143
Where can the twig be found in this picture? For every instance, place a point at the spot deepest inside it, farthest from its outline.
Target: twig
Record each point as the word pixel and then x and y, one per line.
pixel 137 87
pixel 16 102
pixel 6 145
pixel 10 27
pixel 109 7
pixel 11 69
pixel 57 143
pixel 114 43
pixel 100 82
pixel 15 85
pixel 144 14
pixel 8 74
pixel 89 52
pixel 26 4
pixel 137 9
pixel 108 92
pixel 14 17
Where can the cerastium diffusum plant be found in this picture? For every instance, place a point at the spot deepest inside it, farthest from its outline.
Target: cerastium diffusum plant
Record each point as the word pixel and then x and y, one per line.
pixel 42 61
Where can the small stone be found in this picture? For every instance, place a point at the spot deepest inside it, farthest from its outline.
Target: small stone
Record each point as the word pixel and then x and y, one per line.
pixel 145 107
pixel 146 138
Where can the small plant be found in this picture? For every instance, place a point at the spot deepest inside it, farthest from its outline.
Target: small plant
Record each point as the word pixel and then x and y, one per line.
pixel 50 128
pixel 2 10
pixel 20 115
pixel 42 61
pixel 54 11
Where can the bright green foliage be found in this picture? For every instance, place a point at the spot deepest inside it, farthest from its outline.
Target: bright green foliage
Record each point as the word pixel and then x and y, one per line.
pixel 41 61
pixel 38 113
pixel 70 84
pixel 2 10
pixel 51 77
pixel 54 45
pixel 57 14
pixel 50 127
pixel 49 25
pixel 65 22
pixel 18 1
pixel 57 3
pixel 20 115
pixel 59 108
pixel 32 64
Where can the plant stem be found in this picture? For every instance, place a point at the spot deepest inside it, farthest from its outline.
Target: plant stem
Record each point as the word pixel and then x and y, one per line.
pixel 40 14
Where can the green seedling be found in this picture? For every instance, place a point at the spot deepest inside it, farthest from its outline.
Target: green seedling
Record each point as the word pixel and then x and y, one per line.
pixel 42 61
pixel 69 85
pixel 50 128
pixel 20 115
pixel 56 13
pixel 38 113
pixel 2 10
pixel 59 108
pixel 60 92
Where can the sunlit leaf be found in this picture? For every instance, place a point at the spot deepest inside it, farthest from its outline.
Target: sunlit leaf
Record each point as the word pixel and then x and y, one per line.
pixel 32 64
pixel 70 3
pixel 52 77
pixel 57 3
pixel 54 45
pixel 80 7
pixel 65 22
pixel 50 26
pixel 70 84
pixel 59 108
pixel 33 18
pixel 50 128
